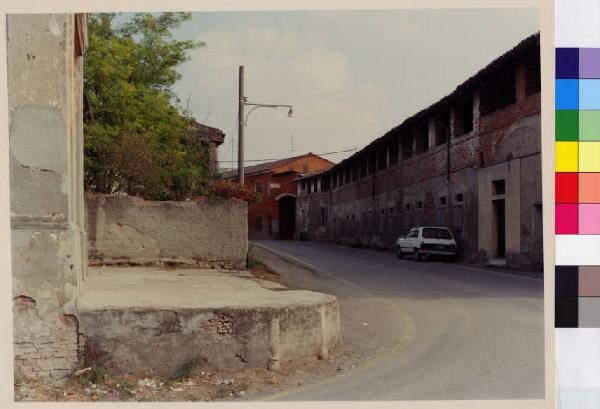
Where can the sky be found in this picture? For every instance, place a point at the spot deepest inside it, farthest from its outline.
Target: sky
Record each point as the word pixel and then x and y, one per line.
pixel 350 75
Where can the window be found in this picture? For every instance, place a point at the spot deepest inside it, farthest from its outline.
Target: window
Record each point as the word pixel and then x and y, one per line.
pixel 498 92
pixel 304 215
pixel 391 210
pixel 258 223
pixel 258 187
pixel 419 205
pixel 422 137
pixel 532 77
pixel 393 149
pixel 372 160
pixel 406 142
pixel 355 169
pixel 463 117
pixel 458 218
pixel 325 183
pixel 442 128
pixel 382 157
pixel 413 233
pixel 441 234
pixel 443 201
pixel 363 168
pixel 323 220
pixel 498 187
pixel 407 207
pixel 382 211
pixel 458 198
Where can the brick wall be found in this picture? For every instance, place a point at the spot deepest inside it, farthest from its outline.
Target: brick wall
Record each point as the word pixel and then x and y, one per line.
pixel 43 347
pixel 425 189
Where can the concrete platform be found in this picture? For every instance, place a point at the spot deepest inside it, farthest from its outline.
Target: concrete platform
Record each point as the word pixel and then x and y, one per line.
pixel 152 320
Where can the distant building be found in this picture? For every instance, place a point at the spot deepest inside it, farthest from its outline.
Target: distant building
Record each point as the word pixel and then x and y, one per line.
pixel 471 161
pixel 213 138
pixel 275 215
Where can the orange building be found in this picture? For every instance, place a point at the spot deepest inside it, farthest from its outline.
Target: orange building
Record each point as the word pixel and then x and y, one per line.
pixel 274 217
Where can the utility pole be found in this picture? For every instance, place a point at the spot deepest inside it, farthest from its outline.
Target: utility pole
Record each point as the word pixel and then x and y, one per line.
pixel 241 128
pixel 242 120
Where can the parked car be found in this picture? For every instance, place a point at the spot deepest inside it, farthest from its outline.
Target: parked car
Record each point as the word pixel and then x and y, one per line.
pixel 422 242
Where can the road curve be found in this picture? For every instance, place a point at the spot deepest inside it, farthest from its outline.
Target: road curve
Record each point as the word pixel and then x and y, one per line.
pixel 444 331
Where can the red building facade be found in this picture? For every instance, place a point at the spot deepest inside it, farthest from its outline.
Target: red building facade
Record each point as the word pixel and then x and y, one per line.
pixel 274 217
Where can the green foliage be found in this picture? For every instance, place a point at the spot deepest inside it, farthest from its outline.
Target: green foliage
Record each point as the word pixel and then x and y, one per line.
pixel 136 140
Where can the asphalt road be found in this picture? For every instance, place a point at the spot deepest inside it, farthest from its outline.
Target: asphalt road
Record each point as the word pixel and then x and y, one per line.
pixel 426 330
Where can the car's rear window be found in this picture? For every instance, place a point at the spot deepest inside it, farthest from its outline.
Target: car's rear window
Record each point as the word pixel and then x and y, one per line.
pixel 430 233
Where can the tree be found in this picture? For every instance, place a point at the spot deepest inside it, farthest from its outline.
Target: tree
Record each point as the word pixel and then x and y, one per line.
pixel 137 140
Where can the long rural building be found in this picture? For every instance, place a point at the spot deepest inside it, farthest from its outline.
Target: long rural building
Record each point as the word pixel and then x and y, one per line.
pixel 471 162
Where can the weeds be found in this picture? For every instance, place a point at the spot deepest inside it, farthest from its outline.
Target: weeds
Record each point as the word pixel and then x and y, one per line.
pixel 184 372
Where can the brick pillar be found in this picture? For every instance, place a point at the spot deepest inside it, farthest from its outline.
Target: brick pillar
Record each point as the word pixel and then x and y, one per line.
pixel 431 132
pixel 476 112
pixel 520 83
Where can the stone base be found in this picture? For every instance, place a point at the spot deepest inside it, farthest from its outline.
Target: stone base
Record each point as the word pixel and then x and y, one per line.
pixel 136 331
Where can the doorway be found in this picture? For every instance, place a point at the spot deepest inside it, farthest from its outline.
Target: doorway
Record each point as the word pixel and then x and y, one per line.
pixel 287 217
pixel 500 227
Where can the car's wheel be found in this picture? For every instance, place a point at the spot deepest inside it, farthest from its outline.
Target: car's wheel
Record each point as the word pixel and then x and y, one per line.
pixel 398 252
pixel 417 255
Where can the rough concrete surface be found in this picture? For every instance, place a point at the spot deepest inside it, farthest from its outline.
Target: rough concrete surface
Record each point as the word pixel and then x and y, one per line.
pixel 210 233
pixel 149 320
pixel 46 191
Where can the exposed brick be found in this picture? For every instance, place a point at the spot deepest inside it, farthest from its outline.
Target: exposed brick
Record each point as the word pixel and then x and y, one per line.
pixel 371 209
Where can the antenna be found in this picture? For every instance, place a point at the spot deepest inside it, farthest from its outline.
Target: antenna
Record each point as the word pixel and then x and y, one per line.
pixel 292 147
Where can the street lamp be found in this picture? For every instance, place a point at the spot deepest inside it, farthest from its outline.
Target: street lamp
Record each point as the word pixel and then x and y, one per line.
pixel 243 121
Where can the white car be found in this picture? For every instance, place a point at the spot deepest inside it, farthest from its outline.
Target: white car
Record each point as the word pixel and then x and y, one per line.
pixel 421 242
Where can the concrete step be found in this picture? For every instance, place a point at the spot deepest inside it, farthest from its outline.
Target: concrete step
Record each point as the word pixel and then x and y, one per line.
pixel 157 321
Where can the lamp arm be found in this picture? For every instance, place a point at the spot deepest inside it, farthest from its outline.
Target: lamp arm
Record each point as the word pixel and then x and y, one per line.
pixel 256 106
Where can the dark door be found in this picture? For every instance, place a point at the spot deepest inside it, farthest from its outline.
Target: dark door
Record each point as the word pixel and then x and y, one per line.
pixel 287 217
pixel 499 213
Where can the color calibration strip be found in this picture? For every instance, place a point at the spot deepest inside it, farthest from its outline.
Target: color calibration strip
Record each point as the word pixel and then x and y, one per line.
pixel 577 296
pixel 577 180
pixel 577 241
pixel 577 121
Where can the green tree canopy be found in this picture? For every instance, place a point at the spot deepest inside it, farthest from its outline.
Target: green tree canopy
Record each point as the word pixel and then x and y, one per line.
pixel 136 139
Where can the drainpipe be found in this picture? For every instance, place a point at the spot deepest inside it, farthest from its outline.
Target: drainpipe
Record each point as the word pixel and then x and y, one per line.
pixel 448 159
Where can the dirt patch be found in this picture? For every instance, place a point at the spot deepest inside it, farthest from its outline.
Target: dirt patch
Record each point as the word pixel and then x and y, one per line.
pixel 196 385
pixel 261 271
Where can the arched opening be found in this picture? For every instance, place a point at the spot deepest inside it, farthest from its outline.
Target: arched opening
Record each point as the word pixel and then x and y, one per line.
pixel 287 217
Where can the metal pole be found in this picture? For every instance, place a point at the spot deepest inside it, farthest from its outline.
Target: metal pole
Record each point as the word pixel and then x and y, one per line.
pixel 241 127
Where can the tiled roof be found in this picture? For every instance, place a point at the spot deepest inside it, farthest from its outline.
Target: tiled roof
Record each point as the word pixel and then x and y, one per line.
pixel 207 132
pixel 524 48
pixel 264 167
